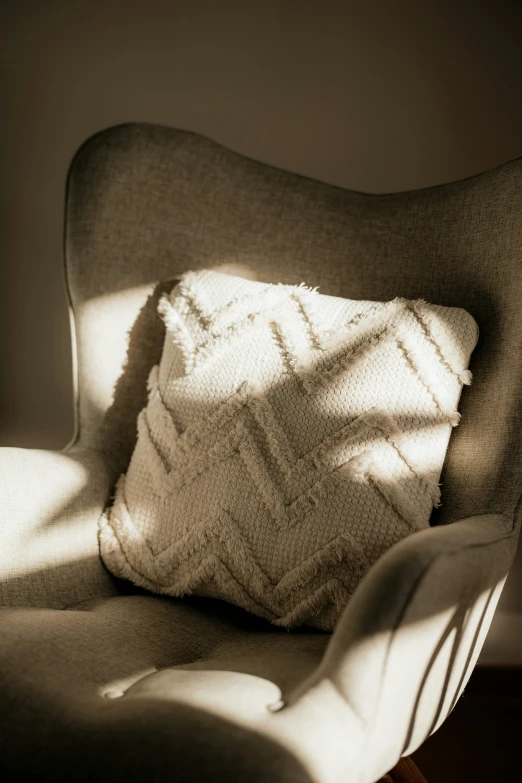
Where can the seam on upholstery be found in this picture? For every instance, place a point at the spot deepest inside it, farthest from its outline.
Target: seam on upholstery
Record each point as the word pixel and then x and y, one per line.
pixel 516 512
pixel 76 604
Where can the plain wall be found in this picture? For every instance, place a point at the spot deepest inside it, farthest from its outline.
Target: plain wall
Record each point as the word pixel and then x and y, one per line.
pixel 374 96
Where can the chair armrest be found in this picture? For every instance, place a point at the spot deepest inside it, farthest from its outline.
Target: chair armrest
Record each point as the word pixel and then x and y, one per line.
pixel 409 639
pixel 50 503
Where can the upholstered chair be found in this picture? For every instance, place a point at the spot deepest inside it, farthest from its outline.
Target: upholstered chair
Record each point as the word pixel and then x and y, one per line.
pixel 100 680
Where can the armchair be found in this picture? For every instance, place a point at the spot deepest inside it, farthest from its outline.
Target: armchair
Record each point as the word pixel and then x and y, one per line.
pixel 100 680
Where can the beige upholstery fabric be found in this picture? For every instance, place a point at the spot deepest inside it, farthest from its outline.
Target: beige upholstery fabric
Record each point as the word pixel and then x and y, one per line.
pixel 146 204
pixel 119 690
pixel 290 438
pixel 62 675
pixel 50 504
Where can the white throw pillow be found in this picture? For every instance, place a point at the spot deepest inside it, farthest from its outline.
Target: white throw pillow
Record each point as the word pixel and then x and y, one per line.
pixel 289 439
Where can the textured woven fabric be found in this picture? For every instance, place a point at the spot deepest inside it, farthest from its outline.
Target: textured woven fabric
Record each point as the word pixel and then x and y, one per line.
pixel 50 504
pixel 62 717
pixel 62 673
pixel 290 438
pixel 147 203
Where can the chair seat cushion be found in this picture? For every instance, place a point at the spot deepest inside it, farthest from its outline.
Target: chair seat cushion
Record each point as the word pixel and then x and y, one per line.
pixel 289 440
pixel 68 710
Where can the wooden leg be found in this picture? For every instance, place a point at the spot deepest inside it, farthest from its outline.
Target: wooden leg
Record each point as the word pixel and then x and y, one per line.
pixel 406 771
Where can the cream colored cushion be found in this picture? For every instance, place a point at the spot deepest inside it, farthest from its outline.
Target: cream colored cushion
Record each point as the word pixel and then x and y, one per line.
pixel 289 439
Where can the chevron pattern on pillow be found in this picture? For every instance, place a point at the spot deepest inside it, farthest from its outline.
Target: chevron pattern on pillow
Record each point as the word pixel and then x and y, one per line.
pixel 289 439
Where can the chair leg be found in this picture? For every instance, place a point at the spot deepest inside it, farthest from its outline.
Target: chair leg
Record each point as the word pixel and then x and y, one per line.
pixel 406 771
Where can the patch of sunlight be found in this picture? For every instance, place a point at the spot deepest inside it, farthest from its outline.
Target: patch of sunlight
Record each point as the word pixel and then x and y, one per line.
pixel 103 327
pixel 237 269
pixel 314 730
pixel 63 544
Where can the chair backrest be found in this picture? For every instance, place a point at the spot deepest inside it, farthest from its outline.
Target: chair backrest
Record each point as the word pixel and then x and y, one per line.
pixel 147 203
